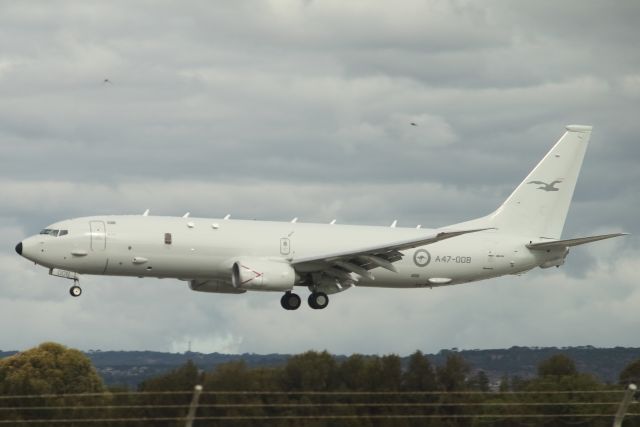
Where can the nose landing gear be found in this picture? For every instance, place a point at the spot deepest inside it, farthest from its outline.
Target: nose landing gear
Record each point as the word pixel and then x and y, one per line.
pixel 75 290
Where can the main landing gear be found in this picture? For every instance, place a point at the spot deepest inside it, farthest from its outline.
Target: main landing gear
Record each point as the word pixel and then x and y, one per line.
pixel 291 301
pixel 318 300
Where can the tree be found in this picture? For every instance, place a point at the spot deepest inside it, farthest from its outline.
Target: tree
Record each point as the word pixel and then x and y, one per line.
pixel 353 373
pixel 49 368
pixel 453 375
pixel 391 370
pixel 630 374
pixel 558 373
pixel 504 384
pixel 420 375
pixel 184 378
pixel 557 365
pixel 230 376
pixel 480 381
pixel 379 374
pixel 311 371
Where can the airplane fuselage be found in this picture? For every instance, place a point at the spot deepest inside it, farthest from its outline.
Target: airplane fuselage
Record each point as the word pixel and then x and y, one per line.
pixel 202 249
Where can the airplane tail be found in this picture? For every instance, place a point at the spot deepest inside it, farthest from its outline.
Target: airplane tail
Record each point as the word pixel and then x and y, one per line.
pixel 538 206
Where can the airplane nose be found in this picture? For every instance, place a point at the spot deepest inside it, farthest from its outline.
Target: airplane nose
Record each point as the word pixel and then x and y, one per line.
pixel 19 248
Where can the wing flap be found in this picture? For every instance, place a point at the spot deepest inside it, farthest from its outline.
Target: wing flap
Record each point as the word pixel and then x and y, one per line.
pixel 558 244
pixel 360 260
pixel 391 248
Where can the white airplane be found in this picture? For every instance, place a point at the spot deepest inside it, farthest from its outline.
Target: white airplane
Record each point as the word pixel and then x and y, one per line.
pixel 235 256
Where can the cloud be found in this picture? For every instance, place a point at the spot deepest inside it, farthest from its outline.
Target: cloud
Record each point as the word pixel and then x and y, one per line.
pixel 287 108
pixel 210 343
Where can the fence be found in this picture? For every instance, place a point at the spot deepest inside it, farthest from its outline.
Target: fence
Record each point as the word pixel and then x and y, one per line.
pixel 200 407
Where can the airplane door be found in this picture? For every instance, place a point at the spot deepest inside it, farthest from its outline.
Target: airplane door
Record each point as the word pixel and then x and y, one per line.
pixel 285 246
pixel 98 236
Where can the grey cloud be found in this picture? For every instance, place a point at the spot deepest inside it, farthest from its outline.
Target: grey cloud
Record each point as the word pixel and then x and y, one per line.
pixel 222 105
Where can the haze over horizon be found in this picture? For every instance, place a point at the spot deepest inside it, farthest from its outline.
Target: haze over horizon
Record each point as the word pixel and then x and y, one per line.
pixel 291 108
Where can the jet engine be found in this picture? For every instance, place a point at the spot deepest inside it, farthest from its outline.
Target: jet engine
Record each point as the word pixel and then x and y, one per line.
pixel 262 275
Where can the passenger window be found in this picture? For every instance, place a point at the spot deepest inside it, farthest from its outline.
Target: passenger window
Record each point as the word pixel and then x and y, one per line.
pixel 63 233
pixel 167 238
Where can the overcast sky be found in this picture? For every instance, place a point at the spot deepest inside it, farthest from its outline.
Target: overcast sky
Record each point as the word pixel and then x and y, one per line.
pixel 280 109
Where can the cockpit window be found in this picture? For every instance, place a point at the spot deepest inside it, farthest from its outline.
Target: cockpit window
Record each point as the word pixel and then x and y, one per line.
pixel 54 233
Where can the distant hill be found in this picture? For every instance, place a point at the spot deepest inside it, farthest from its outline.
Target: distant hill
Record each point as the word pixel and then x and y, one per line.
pixel 604 363
pixel 132 367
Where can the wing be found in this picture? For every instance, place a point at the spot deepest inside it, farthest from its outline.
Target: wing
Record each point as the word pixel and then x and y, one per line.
pixel 559 244
pixel 341 264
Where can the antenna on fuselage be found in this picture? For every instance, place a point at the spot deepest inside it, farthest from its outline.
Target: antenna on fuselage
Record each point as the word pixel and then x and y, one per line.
pixel 294 220
pixel 394 223
pixel 333 222
pixel 186 215
pixel 146 213
pixel 227 216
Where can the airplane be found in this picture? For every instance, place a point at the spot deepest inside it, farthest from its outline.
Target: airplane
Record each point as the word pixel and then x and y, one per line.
pixel 235 256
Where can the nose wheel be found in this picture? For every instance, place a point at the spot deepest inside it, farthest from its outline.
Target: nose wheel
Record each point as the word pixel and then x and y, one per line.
pixel 75 291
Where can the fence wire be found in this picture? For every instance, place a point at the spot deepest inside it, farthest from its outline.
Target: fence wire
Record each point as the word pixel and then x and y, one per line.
pixel 312 393
pixel 371 407
pixel 313 417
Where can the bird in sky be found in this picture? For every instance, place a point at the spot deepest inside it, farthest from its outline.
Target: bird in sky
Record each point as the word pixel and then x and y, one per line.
pixel 107 81
pixel 413 124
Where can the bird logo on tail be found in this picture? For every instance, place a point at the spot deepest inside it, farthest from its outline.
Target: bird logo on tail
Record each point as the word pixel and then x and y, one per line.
pixel 547 187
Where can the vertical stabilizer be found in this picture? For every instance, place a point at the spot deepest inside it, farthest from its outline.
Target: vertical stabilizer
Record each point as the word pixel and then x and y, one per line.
pixel 538 207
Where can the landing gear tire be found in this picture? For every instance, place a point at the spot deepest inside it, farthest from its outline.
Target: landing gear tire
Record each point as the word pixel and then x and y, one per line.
pixel 75 291
pixel 318 300
pixel 290 301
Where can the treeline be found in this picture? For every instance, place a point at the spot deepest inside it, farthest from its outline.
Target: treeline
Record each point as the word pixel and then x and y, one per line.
pixel 315 389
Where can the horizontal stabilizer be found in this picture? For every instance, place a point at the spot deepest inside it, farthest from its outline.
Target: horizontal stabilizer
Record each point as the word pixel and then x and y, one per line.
pixel 556 244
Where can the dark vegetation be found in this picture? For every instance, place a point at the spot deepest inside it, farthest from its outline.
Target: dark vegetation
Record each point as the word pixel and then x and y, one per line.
pixel 130 368
pixel 352 391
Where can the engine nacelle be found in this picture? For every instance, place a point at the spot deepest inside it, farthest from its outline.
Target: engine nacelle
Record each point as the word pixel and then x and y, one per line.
pixel 262 275
pixel 214 285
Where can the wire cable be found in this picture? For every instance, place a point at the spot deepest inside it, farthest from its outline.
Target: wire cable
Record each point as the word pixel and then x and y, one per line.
pixel 308 417
pixel 309 405
pixel 312 393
